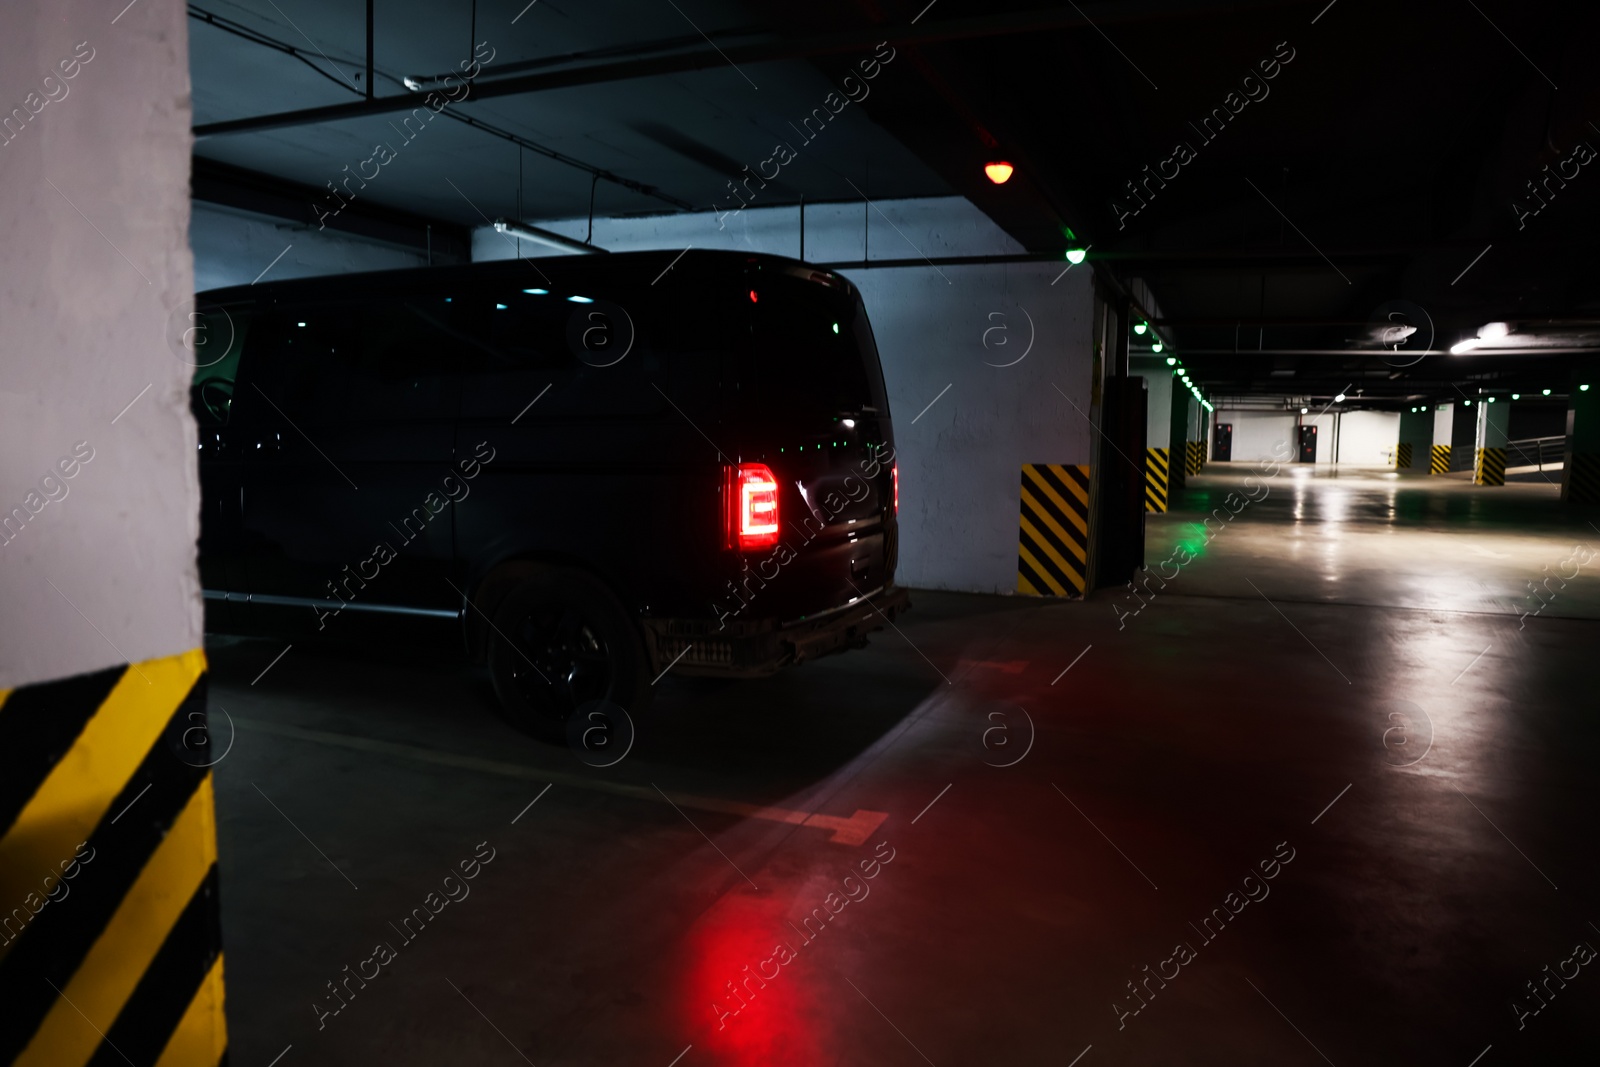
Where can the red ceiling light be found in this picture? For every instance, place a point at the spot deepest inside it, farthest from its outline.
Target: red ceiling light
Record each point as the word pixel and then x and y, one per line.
pixel 752 296
pixel 999 173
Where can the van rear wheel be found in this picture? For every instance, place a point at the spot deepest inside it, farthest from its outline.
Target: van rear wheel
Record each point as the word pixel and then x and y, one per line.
pixel 561 641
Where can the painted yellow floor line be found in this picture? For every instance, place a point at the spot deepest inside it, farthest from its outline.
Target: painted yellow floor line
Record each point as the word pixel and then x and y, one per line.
pixel 851 830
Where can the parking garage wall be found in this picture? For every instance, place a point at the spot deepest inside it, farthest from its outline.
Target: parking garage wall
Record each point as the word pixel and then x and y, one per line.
pixel 1365 439
pixel 834 232
pixel 1256 433
pixel 233 247
pixel 987 366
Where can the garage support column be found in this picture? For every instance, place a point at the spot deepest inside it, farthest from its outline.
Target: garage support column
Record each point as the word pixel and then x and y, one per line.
pixel 1489 462
pixel 1580 477
pixel 1177 434
pixel 1158 436
pixel 1197 438
pixel 1416 441
pixel 1463 435
pixel 108 906
pixel 1443 426
pixel 1118 534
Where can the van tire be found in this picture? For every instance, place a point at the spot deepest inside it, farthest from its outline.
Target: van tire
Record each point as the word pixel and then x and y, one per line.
pixel 560 641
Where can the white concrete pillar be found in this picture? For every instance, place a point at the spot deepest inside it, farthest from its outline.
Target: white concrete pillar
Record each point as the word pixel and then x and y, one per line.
pixel 101 669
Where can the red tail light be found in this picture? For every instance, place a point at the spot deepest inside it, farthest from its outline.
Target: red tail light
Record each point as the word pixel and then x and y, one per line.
pixel 894 475
pixel 750 502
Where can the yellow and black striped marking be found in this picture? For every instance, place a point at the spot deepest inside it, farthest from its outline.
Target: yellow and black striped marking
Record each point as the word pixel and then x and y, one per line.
pixel 1194 456
pixel 1402 456
pixel 1583 481
pixel 1490 468
pixel 109 944
pixel 1053 540
pixel 1439 459
pixel 1155 479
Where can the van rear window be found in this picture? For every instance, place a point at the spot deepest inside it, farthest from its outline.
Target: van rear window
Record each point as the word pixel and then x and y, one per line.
pixel 813 355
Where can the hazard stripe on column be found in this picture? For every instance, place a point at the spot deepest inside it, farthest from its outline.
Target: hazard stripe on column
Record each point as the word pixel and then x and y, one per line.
pixel 1053 535
pixel 1491 469
pixel 1582 483
pixel 109 952
pixel 1402 456
pixel 1155 479
pixel 1439 459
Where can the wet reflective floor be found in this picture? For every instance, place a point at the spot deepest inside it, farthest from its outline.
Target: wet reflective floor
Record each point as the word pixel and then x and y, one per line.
pixel 1321 791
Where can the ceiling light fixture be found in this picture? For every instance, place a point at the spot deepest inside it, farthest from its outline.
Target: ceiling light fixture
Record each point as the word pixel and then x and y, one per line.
pixel 1516 396
pixel 1140 327
pixel 1465 346
pixel 1339 399
pixel 1157 347
pixel 998 172
pixel 1547 392
pixel 1076 255
pixel 544 237
pixel 1172 360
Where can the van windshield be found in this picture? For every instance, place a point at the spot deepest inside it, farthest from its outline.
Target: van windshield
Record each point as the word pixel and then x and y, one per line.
pixel 813 355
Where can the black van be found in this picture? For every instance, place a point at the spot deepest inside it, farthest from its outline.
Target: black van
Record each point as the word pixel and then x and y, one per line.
pixel 593 469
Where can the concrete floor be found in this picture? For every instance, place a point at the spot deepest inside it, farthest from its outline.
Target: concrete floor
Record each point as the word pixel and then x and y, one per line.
pixel 1340 686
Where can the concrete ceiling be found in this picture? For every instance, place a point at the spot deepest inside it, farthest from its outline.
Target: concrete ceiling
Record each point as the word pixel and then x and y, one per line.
pixel 685 134
pixel 1376 177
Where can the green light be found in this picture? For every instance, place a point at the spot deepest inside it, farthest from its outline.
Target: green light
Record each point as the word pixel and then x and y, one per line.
pixel 1547 392
pixel 1468 403
pixel 1583 388
pixel 1068 231
pixel 1516 396
pixel 1171 361
pixel 836 327
pixel 1140 327
pixel 1076 255
pixel 1158 346
pixel 780 450
pixel 1491 400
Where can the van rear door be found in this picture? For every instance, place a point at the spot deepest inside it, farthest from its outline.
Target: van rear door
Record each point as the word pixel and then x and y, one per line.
pixel 809 402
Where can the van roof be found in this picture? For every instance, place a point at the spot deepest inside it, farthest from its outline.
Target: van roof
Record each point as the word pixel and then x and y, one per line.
pixel 612 267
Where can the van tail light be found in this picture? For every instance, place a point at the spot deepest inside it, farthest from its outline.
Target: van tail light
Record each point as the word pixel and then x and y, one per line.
pixel 894 476
pixel 750 507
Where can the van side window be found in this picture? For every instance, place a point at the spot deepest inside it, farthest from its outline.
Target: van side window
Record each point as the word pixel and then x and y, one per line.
pixel 215 340
pixel 598 355
pixel 364 360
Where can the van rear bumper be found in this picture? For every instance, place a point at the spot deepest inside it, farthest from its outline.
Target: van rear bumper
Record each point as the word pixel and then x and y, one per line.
pixel 761 647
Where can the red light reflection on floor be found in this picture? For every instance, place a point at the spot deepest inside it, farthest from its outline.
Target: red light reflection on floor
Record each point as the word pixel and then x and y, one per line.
pixel 739 1003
